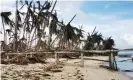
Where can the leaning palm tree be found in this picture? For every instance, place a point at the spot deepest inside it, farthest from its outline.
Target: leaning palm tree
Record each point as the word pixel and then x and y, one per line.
pixel 63 32
pixel 66 34
pixel 76 40
pixel 93 39
pixel 5 21
pixel 97 37
pixel 108 43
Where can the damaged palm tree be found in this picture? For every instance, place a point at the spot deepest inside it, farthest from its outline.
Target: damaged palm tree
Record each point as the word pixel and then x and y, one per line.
pixel 29 26
pixel 93 41
pixel 5 21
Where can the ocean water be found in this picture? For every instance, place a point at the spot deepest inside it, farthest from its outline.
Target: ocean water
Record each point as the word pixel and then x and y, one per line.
pixel 125 63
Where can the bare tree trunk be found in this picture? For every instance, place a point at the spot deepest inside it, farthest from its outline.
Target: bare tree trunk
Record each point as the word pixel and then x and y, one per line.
pixel 28 40
pixel 49 38
pixel 34 34
pixel 36 37
pixel 4 31
pixel 16 25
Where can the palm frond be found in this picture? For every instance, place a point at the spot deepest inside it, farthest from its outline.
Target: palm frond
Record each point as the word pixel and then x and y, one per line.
pixel 5 17
pixel 8 31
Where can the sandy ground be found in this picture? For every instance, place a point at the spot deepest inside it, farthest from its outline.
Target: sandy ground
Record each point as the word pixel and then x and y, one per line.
pixel 70 71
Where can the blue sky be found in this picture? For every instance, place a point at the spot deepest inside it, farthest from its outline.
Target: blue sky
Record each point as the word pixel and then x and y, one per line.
pixel 119 11
pixel 112 18
pixel 107 6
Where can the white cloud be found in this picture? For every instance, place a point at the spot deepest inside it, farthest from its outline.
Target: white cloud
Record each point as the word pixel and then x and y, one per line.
pixel 6 5
pixel 128 38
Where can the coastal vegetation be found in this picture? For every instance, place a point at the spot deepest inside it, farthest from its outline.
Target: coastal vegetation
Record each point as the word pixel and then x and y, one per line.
pixel 38 28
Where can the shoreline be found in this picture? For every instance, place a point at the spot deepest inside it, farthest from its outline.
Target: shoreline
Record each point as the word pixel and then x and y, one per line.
pixel 100 62
pixel 121 72
pixel 69 71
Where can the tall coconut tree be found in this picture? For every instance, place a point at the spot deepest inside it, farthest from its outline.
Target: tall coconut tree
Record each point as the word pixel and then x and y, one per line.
pixel 34 20
pixel 40 20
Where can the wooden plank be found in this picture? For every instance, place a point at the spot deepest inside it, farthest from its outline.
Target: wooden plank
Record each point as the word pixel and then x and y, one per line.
pixel 82 60
pixel 109 60
pixel 115 64
pixel 98 51
pixel 56 58
pixel 112 60
pixel 50 52
pixel 2 52
pixel 7 57
pixel 72 51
